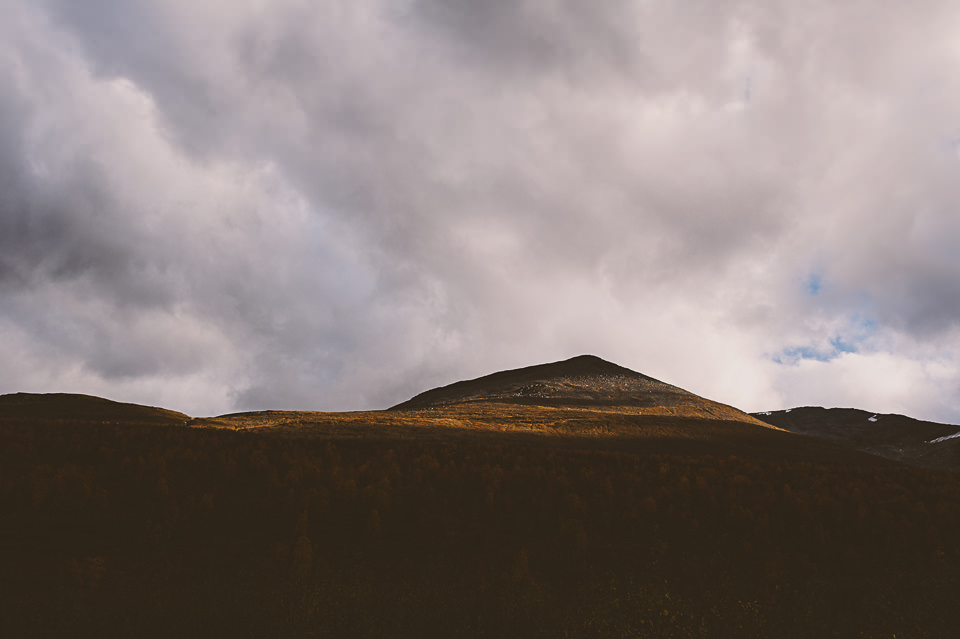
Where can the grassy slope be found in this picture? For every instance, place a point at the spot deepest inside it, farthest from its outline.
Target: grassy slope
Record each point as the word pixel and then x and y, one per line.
pixel 676 430
pixel 496 520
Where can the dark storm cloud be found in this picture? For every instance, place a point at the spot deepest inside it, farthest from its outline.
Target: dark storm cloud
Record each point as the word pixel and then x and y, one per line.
pixel 251 205
pixel 518 40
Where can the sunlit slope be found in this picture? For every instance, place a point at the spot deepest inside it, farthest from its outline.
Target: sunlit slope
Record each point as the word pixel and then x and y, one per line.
pixel 551 426
pixel 584 402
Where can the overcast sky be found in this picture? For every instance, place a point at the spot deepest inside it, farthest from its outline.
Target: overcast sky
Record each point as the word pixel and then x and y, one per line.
pixel 251 204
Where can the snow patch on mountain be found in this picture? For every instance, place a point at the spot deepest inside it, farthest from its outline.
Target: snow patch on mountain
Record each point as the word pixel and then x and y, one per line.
pixel 943 439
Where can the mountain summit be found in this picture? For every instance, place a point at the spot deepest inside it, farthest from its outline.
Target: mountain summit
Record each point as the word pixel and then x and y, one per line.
pixel 583 381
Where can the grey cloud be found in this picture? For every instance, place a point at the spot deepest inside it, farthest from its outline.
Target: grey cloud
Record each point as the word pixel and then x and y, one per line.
pixel 340 205
pixel 521 40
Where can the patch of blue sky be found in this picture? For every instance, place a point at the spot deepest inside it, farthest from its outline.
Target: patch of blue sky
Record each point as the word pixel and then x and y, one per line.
pixel 814 284
pixel 865 327
pixel 841 345
pixel 794 354
pixel 858 331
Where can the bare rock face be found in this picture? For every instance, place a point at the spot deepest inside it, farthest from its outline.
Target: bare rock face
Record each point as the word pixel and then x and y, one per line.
pixel 584 381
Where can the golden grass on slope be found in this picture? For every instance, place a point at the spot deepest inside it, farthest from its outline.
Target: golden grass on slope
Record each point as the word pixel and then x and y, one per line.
pixel 487 417
pixel 662 430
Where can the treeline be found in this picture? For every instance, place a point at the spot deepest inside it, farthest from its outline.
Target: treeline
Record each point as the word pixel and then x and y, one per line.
pixel 123 530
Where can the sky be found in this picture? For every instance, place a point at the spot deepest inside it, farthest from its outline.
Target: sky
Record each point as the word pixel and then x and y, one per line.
pixel 249 204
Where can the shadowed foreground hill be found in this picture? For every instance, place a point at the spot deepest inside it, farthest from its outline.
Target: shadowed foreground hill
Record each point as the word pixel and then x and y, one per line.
pixel 475 518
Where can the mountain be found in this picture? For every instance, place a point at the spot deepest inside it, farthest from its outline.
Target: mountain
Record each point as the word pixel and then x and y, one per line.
pixel 584 402
pixel 895 437
pixel 572 499
pixel 585 381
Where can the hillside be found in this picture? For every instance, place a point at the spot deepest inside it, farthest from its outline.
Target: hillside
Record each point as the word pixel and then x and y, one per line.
pixel 580 403
pixel 69 407
pixel 895 437
pixel 574 499
pixel 584 381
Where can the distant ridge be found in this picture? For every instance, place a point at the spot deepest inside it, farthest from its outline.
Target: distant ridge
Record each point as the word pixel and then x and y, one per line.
pixel 895 437
pixel 82 408
pixel 583 381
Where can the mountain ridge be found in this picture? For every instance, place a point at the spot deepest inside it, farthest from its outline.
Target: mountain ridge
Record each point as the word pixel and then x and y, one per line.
pixel 576 395
pixel 896 437
pixel 81 407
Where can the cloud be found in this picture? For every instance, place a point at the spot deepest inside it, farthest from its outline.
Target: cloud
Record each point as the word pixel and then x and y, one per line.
pixel 338 206
pixel 885 382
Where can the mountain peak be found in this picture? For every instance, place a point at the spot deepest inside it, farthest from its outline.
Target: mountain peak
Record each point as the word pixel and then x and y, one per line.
pixel 584 380
pixel 580 365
